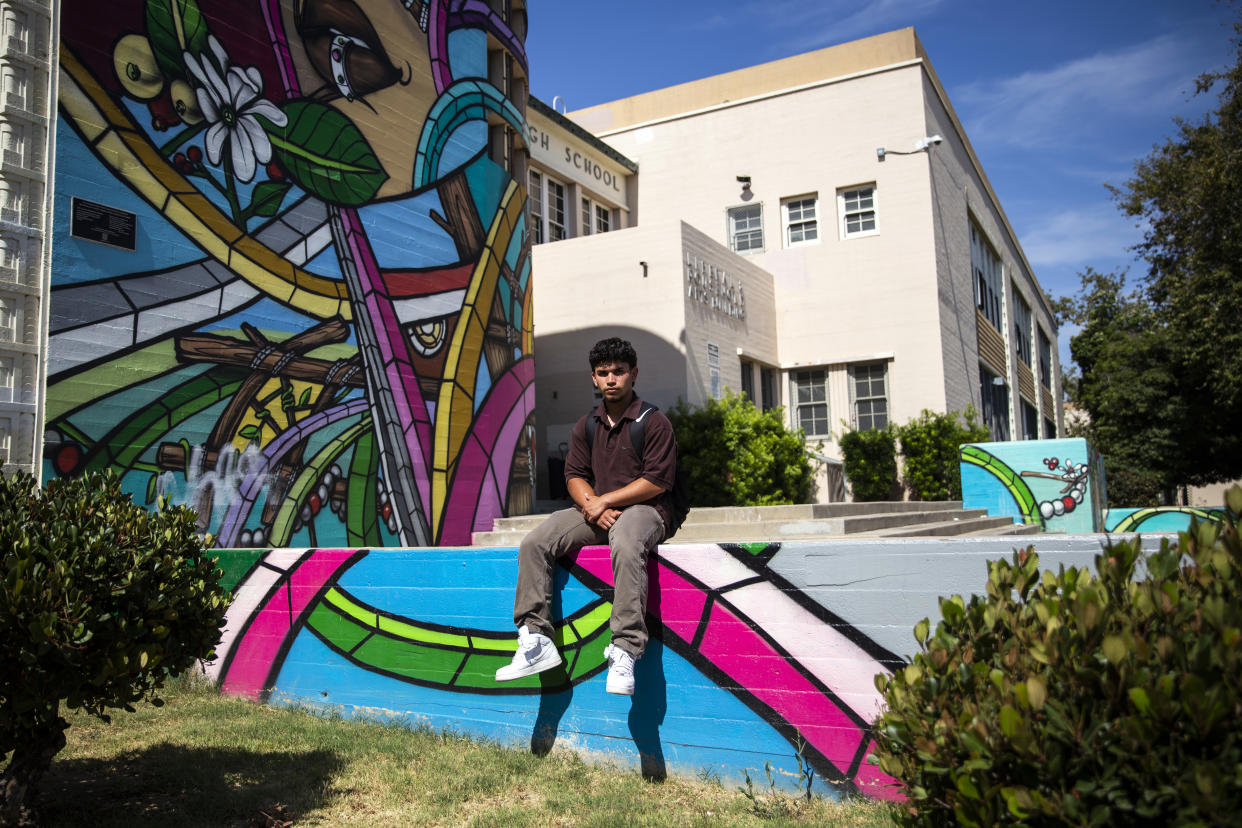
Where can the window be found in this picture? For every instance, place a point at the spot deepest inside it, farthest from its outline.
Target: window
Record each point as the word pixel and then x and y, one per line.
pixel 1022 328
pixel 767 388
pixel 748 379
pixel 994 395
pixel 986 266
pixel 534 203
pixel 6 379
pixel 8 319
pixel 870 396
pixel 801 221
pixel 1030 421
pixel 546 202
pixel 595 218
pixel 812 401
pixel 1045 361
pixel 857 209
pixel 1050 429
pixel 746 228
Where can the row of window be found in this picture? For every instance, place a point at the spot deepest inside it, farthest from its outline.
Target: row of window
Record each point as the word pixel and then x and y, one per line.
pixel 856 209
pixel 546 201
pixel 989 280
pixel 868 398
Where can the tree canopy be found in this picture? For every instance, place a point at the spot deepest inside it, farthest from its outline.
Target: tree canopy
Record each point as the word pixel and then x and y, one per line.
pixel 1161 365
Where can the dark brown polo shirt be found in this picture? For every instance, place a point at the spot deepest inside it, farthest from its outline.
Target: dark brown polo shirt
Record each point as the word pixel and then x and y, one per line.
pixel 610 464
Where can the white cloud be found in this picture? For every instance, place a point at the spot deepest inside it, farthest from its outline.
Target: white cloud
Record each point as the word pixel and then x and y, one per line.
pixel 1079 237
pixel 1060 106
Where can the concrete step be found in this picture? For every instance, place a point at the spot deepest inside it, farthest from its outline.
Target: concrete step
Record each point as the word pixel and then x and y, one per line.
pixel 964 525
pixel 1011 529
pixel 759 514
pixel 906 523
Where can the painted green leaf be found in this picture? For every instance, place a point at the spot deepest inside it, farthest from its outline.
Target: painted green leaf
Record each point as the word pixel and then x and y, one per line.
pixel 267 198
pixel 325 154
pixel 173 27
pixel 305 398
pixel 251 432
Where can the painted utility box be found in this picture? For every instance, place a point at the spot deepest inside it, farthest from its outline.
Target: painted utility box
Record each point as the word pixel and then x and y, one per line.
pixel 1057 484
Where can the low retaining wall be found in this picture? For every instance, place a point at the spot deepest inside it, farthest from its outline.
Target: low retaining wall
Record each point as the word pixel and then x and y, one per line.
pixel 757 650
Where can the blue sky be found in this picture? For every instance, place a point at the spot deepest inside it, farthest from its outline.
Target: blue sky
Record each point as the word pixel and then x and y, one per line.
pixel 1058 98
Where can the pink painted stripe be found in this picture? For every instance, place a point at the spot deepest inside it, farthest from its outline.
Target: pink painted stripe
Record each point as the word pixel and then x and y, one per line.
pixel 734 647
pixel 256 652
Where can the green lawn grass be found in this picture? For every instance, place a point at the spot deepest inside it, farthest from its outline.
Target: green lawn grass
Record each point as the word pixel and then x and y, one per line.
pixel 204 760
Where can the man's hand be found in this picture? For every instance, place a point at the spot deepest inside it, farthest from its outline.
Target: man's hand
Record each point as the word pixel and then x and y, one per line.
pixel 608 518
pixel 594 508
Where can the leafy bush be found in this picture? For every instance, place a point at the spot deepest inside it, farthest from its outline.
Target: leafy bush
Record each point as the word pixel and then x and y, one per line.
pixel 736 455
pixel 101 601
pixel 929 450
pixel 870 460
pixel 1076 698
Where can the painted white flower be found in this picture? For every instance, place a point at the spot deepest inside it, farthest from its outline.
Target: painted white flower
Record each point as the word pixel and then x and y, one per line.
pixel 228 96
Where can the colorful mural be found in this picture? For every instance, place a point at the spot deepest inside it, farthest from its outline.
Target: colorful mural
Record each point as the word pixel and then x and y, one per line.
pixel 1055 484
pixel 1158 518
pixel 743 668
pixel 322 333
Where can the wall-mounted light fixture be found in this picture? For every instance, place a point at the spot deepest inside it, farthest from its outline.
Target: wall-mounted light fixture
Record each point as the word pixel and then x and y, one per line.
pixel 644 266
pixel 744 180
pixel 921 145
pixel 998 381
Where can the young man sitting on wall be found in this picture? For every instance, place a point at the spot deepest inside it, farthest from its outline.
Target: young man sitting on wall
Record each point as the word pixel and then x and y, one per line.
pixel 620 500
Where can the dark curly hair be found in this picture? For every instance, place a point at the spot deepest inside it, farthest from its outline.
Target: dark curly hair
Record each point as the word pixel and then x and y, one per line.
pixel 613 349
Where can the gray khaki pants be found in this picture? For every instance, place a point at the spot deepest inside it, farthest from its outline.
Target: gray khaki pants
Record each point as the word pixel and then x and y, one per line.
pixel 631 538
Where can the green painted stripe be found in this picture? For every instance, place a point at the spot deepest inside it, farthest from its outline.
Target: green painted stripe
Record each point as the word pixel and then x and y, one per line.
pixel 308 479
pixel 338 629
pixel 1013 482
pixel 404 647
pixel 364 616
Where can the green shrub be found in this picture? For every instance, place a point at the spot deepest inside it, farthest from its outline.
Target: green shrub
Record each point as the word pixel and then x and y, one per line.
pixel 870 461
pixel 736 455
pixel 101 601
pixel 1074 698
pixel 931 463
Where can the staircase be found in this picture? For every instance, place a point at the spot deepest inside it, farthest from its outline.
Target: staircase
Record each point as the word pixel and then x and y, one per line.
pixel 822 521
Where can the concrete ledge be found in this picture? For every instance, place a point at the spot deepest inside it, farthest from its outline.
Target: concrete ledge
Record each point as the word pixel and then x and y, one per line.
pixel 755 647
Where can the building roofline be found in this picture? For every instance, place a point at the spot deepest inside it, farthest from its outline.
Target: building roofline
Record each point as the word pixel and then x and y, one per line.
pixel 886 52
pixel 578 132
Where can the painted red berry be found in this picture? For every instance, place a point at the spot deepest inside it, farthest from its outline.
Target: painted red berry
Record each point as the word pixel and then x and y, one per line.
pixel 386 512
pixel 315 503
pixel 1069 503
pixel 195 154
pixel 274 172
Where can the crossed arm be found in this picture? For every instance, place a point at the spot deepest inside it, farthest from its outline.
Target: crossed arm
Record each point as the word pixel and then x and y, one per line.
pixel 602 510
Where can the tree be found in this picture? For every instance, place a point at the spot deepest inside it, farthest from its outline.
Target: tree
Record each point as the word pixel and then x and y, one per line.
pixel 101 601
pixel 1130 390
pixel 1162 367
pixel 736 455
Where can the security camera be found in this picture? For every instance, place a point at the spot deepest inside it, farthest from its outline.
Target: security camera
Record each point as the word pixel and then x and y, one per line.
pixel 744 180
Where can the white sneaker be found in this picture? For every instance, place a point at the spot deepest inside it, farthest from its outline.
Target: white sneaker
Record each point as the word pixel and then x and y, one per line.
pixel 620 671
pixel 535 653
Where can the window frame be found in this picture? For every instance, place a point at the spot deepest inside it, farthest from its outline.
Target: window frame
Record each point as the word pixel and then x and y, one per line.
pixel 1022 323
pixel 994 404
pixel 844 212
pixel 798 404
pixel 1028 418
pixel 542 201
pixel 1045 359
pixel 730 224
pixel 855 417
pixel 803 223
pixel 987 272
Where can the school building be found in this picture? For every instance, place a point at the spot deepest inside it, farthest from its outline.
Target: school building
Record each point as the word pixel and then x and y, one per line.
pixel 815 232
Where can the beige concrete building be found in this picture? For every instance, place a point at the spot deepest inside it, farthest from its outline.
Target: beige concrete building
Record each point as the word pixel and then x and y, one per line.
pixel 816 231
